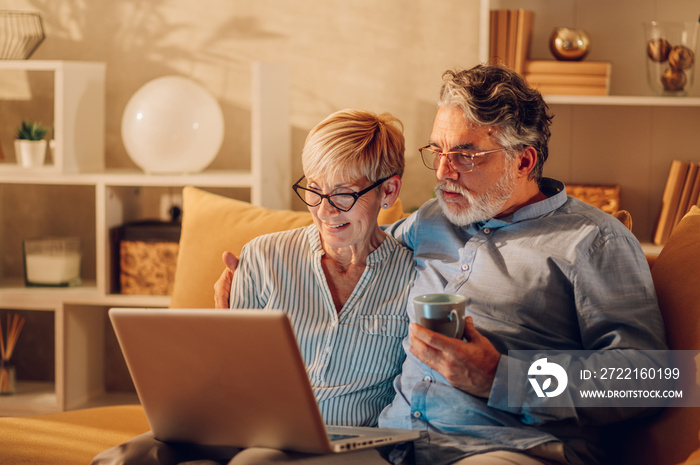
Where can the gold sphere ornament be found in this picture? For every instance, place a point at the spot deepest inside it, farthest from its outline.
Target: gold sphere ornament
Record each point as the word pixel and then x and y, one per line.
pixel 569 44
pixel 681 57
pixel 658 49
pixel 674 80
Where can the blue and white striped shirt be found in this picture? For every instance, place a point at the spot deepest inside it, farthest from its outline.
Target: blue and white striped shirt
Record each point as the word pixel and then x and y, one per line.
pixel 353 356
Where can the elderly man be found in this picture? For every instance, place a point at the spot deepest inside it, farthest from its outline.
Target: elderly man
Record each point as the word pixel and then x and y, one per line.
pixel 540 271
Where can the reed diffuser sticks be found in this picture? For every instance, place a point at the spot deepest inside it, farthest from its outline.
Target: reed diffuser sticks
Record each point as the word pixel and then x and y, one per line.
pixel 15 323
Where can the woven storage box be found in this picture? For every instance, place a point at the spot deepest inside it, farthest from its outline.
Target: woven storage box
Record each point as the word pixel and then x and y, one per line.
pixel 144 255
pixel 605 197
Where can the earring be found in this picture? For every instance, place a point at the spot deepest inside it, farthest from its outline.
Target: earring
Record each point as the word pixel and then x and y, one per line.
pixel 385 206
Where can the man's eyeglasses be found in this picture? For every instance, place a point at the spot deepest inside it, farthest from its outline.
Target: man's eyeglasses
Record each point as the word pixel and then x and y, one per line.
pixel 461 161
pixel 343 201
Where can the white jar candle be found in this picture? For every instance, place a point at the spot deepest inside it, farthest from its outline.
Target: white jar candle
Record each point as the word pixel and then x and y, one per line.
pixel 52 261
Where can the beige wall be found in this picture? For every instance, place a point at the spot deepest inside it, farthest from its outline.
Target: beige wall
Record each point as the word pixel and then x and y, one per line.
pixel 378 55
pixel 384 55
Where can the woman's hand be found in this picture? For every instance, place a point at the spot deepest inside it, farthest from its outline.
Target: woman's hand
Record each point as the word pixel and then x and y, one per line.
pixel 222 287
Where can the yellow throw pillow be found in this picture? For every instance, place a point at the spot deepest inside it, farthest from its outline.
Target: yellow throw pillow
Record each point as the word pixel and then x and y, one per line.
pixel 212 224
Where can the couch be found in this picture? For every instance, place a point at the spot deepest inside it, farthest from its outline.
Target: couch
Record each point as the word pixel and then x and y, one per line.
pixel 212 223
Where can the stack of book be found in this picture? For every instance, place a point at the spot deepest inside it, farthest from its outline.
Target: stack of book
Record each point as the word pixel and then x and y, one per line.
pixel 510 35
pixel 510 38
pixel 682 191
pixel 569 77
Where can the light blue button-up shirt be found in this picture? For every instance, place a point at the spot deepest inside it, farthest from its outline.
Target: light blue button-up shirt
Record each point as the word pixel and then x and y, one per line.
pixel 556 274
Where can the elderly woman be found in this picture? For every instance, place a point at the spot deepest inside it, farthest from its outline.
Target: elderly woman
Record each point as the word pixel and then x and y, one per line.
pixel 343 282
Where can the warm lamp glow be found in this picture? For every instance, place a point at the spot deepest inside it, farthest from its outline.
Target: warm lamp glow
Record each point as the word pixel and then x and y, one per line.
pixel 172 125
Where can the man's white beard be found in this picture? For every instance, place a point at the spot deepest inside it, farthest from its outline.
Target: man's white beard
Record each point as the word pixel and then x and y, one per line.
pixel 480 207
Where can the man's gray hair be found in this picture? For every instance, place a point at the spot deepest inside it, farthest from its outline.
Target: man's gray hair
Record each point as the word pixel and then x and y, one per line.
pixel 496 96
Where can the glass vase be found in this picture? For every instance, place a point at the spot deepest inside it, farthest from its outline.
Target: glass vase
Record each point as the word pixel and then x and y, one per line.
pixel 670 56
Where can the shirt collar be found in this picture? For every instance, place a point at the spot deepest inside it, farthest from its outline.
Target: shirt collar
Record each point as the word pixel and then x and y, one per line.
pixel 556 197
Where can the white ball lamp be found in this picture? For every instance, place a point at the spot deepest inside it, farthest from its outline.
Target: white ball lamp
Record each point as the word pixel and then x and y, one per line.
pixel 172 125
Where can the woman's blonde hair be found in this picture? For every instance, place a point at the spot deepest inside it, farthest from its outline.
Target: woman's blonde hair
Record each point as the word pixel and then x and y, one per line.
pixel 355 144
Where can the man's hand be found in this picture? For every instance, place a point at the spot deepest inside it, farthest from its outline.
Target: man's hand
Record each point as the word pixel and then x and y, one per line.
pixel 222 287
pixel 467 365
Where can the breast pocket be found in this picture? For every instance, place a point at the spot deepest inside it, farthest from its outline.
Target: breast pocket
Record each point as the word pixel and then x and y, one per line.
pixel 380 325
pixel 378 344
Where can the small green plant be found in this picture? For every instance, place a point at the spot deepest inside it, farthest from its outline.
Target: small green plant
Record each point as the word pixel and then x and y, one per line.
pixel 31 131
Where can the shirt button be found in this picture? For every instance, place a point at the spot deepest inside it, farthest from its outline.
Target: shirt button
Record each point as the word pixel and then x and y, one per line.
pixel 487 230
pixel 465 267
pixel 427 378
pixel 328 350
pixel 417 414
pixel 334 324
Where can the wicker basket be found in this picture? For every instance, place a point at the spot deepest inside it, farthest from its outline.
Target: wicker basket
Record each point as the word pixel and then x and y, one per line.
pixel 605 197
pixel 21 33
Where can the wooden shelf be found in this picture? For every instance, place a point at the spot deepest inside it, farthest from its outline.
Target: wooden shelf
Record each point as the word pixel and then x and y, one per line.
pixel 31 397
pixel 630 137
pixel 14 174
pixel 119 196
pixel 623 100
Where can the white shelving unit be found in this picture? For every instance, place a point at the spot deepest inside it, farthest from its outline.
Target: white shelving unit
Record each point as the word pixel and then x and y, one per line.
pixel 79 112
pixel 627 138
pixel 80 313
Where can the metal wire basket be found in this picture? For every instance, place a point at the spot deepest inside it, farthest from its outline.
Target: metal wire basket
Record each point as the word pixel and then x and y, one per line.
pixel 21 33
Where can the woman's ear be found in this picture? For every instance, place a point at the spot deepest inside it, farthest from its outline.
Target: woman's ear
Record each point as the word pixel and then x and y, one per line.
pixel 390 191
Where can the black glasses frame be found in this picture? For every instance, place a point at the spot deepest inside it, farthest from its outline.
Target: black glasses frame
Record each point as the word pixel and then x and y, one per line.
pixel 355 195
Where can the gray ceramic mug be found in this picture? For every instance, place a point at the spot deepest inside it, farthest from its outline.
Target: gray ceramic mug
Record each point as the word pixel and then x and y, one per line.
pixel 443 313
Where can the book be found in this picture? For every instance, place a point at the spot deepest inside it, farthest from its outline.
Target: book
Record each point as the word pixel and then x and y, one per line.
pixel 669 201
pixel 510 37
pixel 695 192
pixel 563 89
pixel 568 79
pixel 567 67
pixel 526 21
pixel 493 34
pixel 684 202
pixel 499 36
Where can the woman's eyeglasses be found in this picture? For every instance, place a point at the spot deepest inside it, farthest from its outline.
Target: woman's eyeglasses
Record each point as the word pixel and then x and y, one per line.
pixel 343 201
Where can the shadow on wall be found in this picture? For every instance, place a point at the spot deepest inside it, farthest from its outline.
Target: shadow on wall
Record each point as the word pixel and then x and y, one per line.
pixel 141 41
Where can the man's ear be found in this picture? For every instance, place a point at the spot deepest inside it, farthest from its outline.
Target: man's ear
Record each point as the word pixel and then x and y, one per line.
pixel 527 161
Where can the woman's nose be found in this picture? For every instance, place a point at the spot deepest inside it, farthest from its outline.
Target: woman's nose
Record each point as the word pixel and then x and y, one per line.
pixel 326 208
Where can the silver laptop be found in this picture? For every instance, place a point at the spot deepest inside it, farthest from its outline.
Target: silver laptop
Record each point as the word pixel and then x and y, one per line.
pixel 230 378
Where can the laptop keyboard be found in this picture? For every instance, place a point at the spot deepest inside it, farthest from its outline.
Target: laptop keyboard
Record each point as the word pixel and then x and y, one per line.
pixel 336 437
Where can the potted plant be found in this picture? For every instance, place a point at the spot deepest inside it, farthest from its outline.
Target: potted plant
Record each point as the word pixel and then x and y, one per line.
pixel 30 146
